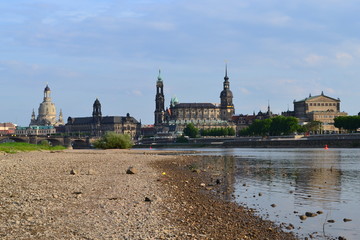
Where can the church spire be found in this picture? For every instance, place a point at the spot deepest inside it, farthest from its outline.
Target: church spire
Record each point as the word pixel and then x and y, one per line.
pixel 226 78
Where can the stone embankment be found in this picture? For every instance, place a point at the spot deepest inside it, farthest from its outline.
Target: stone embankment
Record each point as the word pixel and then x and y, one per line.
pixel 117 194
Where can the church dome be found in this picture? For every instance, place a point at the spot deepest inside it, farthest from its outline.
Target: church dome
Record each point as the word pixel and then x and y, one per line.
pixel 226 93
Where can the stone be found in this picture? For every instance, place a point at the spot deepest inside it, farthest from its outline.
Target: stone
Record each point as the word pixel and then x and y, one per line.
pixel 273 205
pixel 347 220
pixel 310 214
pixel 91 172
pixel 303 217
pixel 341 238
pixel 202 184
pixel 74 172
pixel 132 170
pixel 330 221
pixel 147 199
pixel 319 212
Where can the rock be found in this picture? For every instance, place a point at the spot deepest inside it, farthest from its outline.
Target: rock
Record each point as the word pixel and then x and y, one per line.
pixel 74 172
pixel 202 184
pixel 91 172
pixel 319 212
pixel 132 170
pixel 196 170
pixel 303 217
pixel 330 221
pixel 341 238
pixel 218 181
pixel 347 219
pixel 273 205
pixel 260 194
pixel 147 199
pixel 310 214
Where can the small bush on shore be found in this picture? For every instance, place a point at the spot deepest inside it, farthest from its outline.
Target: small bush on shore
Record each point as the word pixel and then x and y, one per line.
pixel 15 147
pixel 113 140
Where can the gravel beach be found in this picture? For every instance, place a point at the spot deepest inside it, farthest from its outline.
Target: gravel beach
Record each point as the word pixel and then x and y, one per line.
pixel 88 194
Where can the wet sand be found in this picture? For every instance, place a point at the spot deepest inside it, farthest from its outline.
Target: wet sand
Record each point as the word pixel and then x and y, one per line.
pixel 87 194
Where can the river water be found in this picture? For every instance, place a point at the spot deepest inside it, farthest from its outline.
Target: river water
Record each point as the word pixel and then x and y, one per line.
pixel 283 184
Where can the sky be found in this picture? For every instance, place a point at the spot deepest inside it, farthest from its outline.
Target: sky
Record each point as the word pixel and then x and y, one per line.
pixel 277 51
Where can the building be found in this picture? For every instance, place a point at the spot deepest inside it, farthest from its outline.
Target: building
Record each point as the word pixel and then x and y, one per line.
pixel 35 131
pixel 46 112
pixel 202 115
pixel 243 121
pixel 7 128
pixel 319 108
pixel 97 125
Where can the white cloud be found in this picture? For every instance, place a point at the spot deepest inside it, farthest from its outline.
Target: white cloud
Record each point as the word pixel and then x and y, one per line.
pixel 244 91
pixel 162 26
pixel 343 58
pixel 314 59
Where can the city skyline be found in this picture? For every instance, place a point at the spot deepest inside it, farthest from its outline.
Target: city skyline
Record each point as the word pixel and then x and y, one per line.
pixel 276 51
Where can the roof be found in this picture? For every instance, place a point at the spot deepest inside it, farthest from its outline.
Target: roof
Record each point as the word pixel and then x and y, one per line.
pixel 317 96
pixel 196 105
pixel 104 120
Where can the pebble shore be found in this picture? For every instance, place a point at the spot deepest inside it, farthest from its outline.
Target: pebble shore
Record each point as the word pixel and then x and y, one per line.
pixel 91 194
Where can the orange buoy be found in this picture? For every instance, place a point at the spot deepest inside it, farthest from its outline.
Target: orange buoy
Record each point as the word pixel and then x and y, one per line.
pixel 326 147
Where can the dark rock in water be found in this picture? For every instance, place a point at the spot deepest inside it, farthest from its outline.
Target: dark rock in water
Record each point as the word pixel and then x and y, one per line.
pixel 310 214
pixel 341 238
pixel 260 194
pixel 347 219
pixel 303 217
pixel 132 170
pixel 330 221
pixel 319 212
pixel 273 205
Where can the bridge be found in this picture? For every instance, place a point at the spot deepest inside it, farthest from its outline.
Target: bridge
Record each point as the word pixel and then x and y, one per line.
pixel 66 141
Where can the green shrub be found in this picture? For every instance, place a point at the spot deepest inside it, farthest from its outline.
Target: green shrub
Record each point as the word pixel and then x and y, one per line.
pixel 113 140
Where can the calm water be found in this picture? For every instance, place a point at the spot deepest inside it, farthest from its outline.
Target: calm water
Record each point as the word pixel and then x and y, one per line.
pixel 298 181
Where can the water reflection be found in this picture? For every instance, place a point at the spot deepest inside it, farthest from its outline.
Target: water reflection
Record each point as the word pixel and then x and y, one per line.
pixel 283 184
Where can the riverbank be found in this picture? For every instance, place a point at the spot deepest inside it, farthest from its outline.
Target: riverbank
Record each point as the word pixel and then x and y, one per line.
pixel 86 194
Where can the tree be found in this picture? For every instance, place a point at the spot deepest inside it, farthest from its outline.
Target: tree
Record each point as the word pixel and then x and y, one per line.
pixel 350 123
pixel 114 140
pixel 191 131
pixel 281 125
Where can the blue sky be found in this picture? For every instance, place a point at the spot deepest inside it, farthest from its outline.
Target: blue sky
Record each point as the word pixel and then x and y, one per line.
pixel 277 51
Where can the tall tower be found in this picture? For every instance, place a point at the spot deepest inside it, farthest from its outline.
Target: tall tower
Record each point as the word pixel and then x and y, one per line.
pixel 159 102
pixel 96 125
pixel 97 111
pixel 226 97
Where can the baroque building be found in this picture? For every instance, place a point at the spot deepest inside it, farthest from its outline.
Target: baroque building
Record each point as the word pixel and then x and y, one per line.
pixel 97 125
pixel 46 112
pixel 202 115
pixel 319 108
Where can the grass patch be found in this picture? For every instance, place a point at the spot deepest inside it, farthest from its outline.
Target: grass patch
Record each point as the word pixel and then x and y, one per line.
pixel 15 147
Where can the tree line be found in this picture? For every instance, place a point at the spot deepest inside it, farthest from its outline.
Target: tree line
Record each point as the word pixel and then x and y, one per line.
pixel 191 131
pixel 348 123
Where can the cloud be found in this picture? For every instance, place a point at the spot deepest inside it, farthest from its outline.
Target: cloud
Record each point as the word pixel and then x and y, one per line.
pixel 314 59
pixel 137 93
pixel 162 26
pixel 343 58
pixel 244 91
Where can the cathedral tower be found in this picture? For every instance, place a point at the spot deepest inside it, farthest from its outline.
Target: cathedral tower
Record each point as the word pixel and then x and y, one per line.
pixel 159 102
pixel 226 97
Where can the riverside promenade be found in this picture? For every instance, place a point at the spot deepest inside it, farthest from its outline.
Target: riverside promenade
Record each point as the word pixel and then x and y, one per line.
pixel 296 141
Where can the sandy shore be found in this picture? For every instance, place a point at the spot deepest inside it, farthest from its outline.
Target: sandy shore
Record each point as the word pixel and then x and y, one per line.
pixel 86 194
